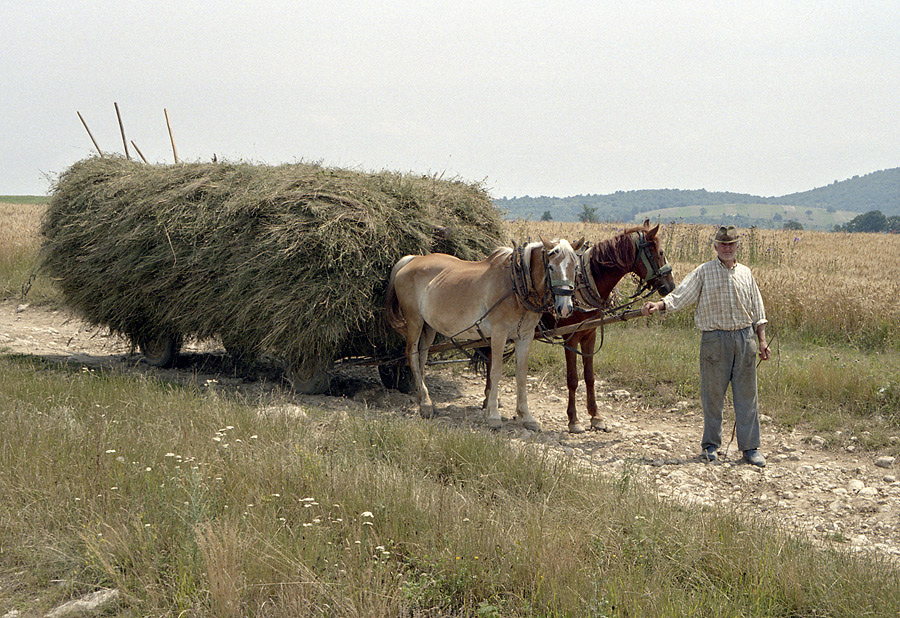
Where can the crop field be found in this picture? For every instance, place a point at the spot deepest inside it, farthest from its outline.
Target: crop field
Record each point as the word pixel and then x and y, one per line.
pixel 194 501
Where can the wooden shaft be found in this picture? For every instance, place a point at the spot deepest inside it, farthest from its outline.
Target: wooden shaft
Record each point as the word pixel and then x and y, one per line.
pixel 122 131
pixel 171 139
pixel 138 150
pixel 100 152
pixel 556 332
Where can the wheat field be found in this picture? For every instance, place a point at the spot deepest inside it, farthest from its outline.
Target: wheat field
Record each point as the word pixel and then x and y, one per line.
pixel 823 286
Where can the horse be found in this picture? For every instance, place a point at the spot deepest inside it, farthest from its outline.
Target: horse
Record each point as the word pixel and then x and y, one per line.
pixel 501 297
pixel 600 268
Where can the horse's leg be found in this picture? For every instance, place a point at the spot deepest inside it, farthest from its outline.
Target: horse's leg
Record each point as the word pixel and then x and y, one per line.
pixel 487 381
pixel 523 346
pixel 572 382
pixel 415 336
pixel 495 369
pixel 588 341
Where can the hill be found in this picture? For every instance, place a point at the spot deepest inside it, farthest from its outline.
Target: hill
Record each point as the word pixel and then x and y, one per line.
pixel 839 202
pixel 746 215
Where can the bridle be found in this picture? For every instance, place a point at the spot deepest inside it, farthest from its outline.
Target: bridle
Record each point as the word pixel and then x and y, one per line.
pixel 588 286
pixel 654 272
pixel 523 286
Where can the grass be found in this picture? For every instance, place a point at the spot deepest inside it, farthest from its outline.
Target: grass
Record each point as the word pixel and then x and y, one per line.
pixel 193 504
pixel 829 389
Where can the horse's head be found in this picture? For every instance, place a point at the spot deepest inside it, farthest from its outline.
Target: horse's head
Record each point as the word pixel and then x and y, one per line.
pixel 561 265
pixel 650 263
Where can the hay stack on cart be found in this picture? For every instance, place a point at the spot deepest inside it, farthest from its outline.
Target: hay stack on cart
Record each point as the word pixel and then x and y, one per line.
pixel 288 261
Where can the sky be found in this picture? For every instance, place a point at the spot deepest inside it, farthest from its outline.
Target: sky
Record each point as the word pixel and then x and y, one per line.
pixel 529 98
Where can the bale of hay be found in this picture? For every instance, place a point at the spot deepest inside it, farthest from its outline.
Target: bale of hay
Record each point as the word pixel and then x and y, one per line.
pixel 288 260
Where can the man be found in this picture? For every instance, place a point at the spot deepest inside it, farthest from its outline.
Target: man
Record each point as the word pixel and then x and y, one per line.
pixel 732 319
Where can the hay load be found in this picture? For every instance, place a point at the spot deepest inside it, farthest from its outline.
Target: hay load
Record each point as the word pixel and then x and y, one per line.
pixel 286 260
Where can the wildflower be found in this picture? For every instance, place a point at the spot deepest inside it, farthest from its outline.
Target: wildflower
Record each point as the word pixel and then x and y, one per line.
pixel 110 451
pixel 366 514
pixel 170 454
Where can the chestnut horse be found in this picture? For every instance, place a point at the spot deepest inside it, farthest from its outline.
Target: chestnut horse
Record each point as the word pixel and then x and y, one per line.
pixel 635 250
pixel 439 293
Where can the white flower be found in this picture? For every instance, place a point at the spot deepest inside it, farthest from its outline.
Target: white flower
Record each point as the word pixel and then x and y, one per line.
pixel 366 514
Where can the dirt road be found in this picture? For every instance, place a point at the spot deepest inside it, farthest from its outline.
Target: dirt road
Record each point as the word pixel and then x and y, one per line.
pixel 849 499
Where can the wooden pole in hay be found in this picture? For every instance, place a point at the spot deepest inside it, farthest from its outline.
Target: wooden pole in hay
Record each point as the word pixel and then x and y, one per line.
pixel 171 139
pixel 100 152
pixel 138 150
pixel 122 131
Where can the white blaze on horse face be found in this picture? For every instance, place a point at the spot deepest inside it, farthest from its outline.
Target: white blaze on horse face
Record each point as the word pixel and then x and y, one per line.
pixel 562 262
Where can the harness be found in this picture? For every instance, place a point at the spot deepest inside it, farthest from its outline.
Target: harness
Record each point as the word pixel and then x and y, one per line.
pixel 524 290
pixel 523 284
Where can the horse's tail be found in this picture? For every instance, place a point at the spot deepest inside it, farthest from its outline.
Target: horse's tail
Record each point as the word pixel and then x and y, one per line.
pixel 393 313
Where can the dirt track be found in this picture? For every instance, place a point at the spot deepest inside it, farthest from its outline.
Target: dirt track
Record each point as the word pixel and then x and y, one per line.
pixel 837 497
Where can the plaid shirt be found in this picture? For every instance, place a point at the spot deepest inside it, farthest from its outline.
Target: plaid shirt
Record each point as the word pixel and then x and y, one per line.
pixel 727 298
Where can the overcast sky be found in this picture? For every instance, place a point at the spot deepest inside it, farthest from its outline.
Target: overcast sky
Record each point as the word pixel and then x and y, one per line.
pixel 532 98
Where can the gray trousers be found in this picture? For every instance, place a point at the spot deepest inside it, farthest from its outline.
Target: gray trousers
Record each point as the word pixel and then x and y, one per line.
pixel 729 357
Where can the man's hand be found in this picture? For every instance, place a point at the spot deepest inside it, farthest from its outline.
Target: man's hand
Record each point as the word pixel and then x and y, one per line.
pixel 764 352
pixel 652 307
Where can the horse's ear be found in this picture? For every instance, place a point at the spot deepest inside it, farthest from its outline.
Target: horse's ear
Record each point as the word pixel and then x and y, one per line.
pixel 647 222
pixel 547 244
pixel 652 233
pixel 578 244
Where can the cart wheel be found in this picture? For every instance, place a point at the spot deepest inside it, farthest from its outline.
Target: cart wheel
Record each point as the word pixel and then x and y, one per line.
pixel 397 376
pixel 160 351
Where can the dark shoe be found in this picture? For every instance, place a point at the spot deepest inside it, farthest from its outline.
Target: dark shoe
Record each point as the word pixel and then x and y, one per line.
pixel 708 454
pixel 753 458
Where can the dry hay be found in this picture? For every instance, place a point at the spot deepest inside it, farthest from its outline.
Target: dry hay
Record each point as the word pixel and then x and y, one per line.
pixel 288 260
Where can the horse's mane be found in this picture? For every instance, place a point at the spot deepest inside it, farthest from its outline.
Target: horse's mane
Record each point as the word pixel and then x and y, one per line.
pixel 499 253
pixel 616 252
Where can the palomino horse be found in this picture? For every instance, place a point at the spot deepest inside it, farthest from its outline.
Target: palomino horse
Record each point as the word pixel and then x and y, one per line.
pixel 601 267
pixel 501 297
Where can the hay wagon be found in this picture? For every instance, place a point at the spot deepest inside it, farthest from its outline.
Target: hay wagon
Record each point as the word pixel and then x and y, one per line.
pixel 288 261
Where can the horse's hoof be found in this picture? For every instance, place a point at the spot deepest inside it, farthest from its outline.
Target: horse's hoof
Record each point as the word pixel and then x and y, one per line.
pixel 426 411
pixel 597 424
pixel 532 425
pixel 494 423
pixel 576 428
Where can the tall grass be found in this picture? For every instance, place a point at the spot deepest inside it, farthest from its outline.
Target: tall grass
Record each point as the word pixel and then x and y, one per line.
pixel 195 504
